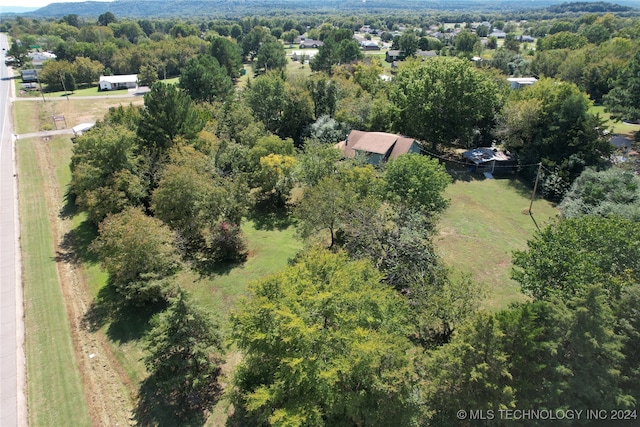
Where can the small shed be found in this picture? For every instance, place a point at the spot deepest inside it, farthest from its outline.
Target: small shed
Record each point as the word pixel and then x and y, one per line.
pixel 82 128
pixel 621 143
pixel 29 76
pixel 491 160
pixel 519 82
pixel 125 81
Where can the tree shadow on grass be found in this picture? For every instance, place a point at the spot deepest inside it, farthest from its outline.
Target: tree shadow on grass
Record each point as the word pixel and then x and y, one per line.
pixel 70 209
pixel 210 268
pixel 268 215
pixel 76 244
pixel 125 322
pixel 464 174
pixel 523 188
pixel 157 407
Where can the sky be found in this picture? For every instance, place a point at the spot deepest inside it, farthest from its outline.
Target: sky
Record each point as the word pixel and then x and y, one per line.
pixel 36 4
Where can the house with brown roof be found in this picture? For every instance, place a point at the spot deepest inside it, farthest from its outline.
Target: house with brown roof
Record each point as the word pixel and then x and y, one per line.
pixel 377 147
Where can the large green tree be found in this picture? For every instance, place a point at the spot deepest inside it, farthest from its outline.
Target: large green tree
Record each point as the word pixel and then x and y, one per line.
pixel 203 79
pixel 228 54
pixel 417 182
pixel 168 114
pixel 339 47
pixel 443 101
pixel 550 123
pixel 183 357
pixel 187 198
pixel 466 41
pixel 19 52
pixel 624 99
pixel 324 207
pixel 324 344
pixel 138 254
pixel 266 97
pixel 566 257
pixel 613 191
pixel 471 372
pixel 271 56
pixel 107 174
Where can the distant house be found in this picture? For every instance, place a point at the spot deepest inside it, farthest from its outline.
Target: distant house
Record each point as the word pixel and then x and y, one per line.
pixel 310 43
pixel 377 147
pixel 125 81
pixel 490 160
pixel 497 34
pixel 29 76
pixel 519 82
pixel 398 55
pixel 527 39
pixel 369 45
pixel 426 53
pixel 297 55
pixel 392 55
pixel 38 58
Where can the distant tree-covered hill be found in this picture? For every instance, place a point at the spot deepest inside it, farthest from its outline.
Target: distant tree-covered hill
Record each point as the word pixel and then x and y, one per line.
pixel 589 7
pixel 235 8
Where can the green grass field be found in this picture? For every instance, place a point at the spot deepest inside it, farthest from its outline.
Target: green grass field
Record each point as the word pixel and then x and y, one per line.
pixel 616 127
pixel 487 220
pixel 54 387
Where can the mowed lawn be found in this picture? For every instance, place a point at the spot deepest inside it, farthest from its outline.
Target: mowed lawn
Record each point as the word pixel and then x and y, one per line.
pixel 620 128
pixel 54 387
pixel 487 220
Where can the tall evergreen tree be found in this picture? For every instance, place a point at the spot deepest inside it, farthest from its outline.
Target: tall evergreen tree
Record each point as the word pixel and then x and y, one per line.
pixel 183 357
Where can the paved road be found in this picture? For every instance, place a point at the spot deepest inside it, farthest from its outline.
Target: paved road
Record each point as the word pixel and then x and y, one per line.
pixel 12 359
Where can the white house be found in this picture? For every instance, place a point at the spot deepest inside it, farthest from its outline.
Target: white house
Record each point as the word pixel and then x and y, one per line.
pixel 297 55
pixel 38 58
pixel 518 82
pixel 125 81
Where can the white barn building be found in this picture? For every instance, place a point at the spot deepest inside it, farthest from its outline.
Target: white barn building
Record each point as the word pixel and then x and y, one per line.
pixel 125 81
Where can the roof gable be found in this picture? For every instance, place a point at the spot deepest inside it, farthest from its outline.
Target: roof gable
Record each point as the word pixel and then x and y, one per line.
pixel 382 143
pixel 124 78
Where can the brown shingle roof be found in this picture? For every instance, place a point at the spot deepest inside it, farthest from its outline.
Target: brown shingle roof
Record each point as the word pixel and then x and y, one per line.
pixel 375 142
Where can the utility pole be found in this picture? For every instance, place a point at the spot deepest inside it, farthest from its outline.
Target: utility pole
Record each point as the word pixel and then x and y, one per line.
pixel 40 85
pixel 535 186
pixel 64 87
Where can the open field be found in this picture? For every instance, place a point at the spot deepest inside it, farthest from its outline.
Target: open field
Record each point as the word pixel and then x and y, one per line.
pixel 38 116
pixel 55 393
pixel 487 220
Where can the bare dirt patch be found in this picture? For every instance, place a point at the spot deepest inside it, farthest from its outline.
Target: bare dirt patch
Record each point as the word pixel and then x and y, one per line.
pixel 108 392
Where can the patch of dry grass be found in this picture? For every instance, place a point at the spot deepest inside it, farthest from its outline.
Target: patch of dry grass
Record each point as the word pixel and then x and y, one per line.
pixel 487 220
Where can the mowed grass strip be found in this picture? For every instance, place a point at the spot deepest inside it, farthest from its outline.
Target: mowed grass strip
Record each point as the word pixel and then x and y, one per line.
pixel 487 220
pixel 55 395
